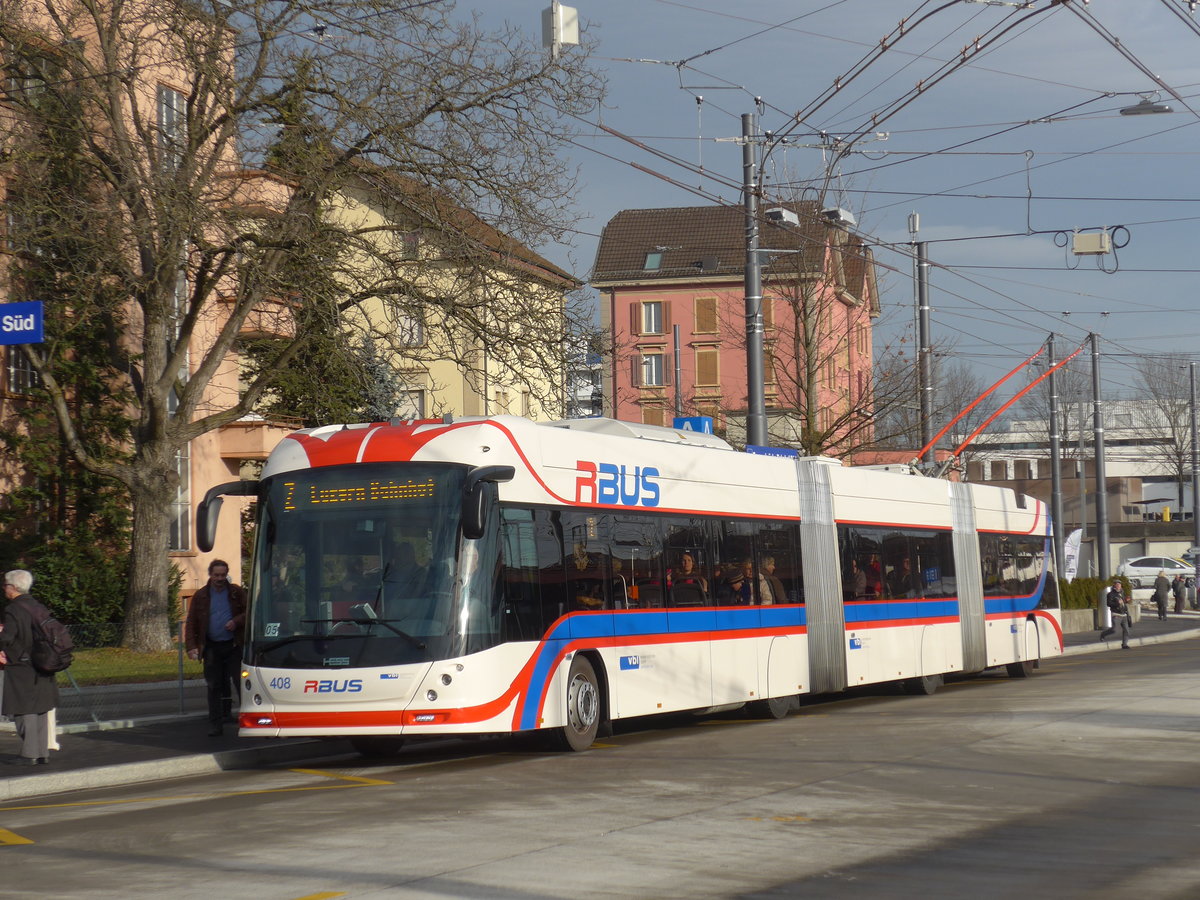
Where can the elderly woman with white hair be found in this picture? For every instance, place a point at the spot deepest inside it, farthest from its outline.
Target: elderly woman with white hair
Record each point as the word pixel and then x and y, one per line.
pixel 29 695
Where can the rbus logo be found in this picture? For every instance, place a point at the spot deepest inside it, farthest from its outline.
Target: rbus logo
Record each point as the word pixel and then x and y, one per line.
pixel 613 485
pixel 333 686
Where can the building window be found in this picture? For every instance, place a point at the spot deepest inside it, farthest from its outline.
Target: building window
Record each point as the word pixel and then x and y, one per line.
pixel 410 331
pixel 411 405
pixel 706 315
pixel 999 471
pixel 653 262
pixel 652 415
pixel 172 126
pixel 708 371
pixel 181 506
pixel 653 370
pixel 649 318
pixel 1023 468
pixel 410 245
pixel 22 378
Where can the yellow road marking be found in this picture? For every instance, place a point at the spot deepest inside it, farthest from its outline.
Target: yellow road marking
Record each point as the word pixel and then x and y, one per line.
pixel 353 783
pixel 325 895
pixel 353 778
pixel 778 819
pixel 7 837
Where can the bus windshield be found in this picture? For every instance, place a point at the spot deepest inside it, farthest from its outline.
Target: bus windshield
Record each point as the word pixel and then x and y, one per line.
pixel 354 566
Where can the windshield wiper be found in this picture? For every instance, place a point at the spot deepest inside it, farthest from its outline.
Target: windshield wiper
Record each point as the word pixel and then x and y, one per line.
pixel 294 638
pixel 368 617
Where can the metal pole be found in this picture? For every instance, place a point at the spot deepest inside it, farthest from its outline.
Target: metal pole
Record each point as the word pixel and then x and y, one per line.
pixel 1101 487
pixel 1080 472
pixel 756 412
pixel 678 375
pixel 1195 480
pixel 1056 512
pixel 925 369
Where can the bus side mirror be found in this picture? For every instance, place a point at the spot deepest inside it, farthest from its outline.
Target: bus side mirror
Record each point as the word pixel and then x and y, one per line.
pixel 474 512
pixel 209 510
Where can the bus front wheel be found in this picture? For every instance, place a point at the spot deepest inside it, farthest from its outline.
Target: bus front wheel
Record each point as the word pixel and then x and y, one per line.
pixel 772 708
pixel 583 706
pixel 922 684
pixel 381 745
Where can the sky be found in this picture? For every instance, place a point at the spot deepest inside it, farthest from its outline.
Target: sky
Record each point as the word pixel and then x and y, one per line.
pixel 998 124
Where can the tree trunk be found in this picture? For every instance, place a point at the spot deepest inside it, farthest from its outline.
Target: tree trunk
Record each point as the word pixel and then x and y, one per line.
pixel 147 619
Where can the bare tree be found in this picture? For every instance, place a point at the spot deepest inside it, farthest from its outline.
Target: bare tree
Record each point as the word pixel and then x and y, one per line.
pixel 162 105
pixel 1162 415
pixel 955 387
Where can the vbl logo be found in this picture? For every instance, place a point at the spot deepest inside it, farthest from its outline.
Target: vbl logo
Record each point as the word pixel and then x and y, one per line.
pixel 610 484
pixel 333 686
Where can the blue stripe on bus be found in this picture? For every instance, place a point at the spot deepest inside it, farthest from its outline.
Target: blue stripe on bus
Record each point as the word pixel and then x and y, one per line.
pixel 886 610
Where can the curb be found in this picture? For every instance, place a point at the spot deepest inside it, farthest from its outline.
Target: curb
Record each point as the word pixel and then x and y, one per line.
pixel 1097 646
pixel 22 787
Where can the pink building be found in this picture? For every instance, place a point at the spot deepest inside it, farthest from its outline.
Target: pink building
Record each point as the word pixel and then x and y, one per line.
pixel 658 268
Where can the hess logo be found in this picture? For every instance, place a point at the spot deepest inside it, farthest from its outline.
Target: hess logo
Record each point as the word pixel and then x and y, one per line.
pixel 333 686
pixel 616 485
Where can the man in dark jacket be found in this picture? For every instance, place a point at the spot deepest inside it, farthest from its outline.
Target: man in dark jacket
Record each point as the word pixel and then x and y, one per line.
pixel 29 695
pixel 1120 614
pixel 215 620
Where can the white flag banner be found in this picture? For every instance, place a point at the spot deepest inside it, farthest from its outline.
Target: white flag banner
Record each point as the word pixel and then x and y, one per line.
pixel 1071 555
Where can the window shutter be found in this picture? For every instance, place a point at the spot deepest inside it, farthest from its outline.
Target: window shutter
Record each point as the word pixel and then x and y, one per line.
pixel 706 367
pixel 635 318
pixel 666 317
pixel 668 367
pixel 635 371
pixel 706 315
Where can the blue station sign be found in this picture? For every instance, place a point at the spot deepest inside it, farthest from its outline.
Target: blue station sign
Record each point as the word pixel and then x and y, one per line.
pixel 21 323
pixel 701 424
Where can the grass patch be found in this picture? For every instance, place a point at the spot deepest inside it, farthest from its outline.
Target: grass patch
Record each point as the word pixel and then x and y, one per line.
pixel 115 665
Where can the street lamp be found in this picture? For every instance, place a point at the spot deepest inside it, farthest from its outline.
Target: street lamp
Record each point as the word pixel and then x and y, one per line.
pixel 1146 106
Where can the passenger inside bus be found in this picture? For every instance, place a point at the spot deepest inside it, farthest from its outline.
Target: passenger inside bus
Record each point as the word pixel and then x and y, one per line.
pixel 778 593
pixel 688 586
pixel 854 581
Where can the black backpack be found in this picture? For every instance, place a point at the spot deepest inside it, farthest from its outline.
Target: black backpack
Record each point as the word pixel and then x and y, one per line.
pixel 52 644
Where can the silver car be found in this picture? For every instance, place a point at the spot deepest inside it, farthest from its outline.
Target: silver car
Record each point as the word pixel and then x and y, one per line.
pixel 1142 570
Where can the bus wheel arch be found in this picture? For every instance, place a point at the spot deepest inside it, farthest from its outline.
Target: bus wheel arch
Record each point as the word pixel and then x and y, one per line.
pixel 1031 652
pixel 585 700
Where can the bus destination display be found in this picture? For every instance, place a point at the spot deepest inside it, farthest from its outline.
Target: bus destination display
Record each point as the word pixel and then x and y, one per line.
pixel 322 494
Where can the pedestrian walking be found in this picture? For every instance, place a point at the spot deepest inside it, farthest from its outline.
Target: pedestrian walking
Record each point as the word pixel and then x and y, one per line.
pixel 216 618
pixel 1162 590
pixel 29 695
pixel 1179 589
pixel 1120 614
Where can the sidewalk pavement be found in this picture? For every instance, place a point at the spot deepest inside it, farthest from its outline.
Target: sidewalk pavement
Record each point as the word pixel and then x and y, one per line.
pixel 155 748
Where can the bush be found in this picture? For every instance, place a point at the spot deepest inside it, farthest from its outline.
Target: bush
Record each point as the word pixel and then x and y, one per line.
pixel 1085 593
pixel 80 579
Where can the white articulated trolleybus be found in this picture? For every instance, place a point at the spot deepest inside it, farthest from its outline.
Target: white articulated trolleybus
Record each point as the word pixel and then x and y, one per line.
pixel 493 575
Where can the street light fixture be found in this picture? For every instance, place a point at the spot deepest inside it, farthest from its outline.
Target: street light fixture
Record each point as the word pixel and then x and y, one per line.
pixel 1146 106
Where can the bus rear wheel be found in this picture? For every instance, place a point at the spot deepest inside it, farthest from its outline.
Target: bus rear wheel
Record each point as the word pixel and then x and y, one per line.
pixel 772 708
pixel 923 684
pixel 1022 669
pixel 583 706
pixel 377 745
